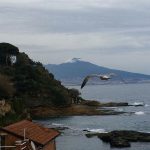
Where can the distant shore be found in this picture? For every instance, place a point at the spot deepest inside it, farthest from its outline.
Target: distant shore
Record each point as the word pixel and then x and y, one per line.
pixel 67 84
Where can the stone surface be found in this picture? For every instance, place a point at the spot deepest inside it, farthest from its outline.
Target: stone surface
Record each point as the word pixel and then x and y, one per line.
pixel 121 138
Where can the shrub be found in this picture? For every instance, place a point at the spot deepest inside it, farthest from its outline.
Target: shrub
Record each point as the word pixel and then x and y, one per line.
pixel 6 87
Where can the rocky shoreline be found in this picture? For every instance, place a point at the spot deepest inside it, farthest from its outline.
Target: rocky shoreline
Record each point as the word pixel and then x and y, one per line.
pixel 121 138
pixel 85 108
pixel 117 138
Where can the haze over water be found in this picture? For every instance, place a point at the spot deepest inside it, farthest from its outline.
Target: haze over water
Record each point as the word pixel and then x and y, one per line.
pixel 139 120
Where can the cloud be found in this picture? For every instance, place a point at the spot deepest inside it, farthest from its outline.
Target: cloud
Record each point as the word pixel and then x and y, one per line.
pixel 42 17
pixel 78 4
pixel 84 4
pixel 73 28
pixel 101 42
pixel 18 1
pixel 93 29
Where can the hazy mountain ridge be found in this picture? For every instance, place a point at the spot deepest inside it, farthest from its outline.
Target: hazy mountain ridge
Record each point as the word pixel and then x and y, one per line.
pixel 73 72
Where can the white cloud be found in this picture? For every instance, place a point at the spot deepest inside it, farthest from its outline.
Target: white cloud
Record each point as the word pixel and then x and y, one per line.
pixel 102 42
pixel 18 1
pixel 79 4
pixel 100 30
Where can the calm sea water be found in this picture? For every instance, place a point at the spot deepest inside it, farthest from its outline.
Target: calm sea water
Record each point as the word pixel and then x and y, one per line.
pixel 74 138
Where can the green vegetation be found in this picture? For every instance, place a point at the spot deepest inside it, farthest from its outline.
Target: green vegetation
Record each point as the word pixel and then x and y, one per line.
pixel 75 94
pixel 27 84
pixel 7 53
pixel 9 118
pixel 6 87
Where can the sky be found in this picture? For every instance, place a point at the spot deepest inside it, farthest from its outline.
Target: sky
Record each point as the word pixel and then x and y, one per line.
pixel 110 33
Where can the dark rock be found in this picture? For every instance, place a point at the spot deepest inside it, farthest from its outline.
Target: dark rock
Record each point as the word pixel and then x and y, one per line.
pixel 122 138
pixel 113 104
pixel 106 137
pixel 61 128
pixel 119 142
pixel 137 105
pixel 90 103
pixel 90 135
pixel 132 136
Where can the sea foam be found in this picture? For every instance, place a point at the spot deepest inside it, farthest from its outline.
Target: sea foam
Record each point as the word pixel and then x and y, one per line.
pixel 138 104
pixel 96 130
pixel 139 113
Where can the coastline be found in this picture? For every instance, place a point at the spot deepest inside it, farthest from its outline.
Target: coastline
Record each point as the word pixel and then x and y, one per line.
pixel 85 108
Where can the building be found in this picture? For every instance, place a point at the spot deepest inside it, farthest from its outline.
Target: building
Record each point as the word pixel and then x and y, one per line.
pixel 31 134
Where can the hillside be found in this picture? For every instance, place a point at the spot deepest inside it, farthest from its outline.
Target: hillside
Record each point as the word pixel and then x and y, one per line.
pixel 25 84
pixel 74 71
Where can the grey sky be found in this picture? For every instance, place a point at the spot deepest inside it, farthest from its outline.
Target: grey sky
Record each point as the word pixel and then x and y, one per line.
pixel 111 33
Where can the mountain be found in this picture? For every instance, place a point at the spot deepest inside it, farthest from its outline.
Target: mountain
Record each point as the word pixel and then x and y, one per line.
pixel 74 71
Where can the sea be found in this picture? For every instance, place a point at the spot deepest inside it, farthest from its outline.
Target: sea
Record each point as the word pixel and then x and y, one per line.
pixel 136 117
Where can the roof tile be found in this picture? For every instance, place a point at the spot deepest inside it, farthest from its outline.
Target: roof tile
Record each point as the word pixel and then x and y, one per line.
pixel 34 131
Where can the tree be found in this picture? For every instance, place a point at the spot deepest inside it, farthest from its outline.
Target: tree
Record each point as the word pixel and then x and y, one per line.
pixel 8 53
pixel 74 93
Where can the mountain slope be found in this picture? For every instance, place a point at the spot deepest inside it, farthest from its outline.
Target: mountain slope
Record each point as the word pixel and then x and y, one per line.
pixel 75 70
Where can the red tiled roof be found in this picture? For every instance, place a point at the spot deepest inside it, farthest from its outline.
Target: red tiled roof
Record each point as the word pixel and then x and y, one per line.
pixel 33 131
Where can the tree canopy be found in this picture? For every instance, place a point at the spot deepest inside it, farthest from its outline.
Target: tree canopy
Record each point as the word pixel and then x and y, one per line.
pixel 6 52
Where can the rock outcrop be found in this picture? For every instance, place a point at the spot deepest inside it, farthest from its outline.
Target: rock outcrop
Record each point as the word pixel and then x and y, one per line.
pixel 122 138
pixel 4 108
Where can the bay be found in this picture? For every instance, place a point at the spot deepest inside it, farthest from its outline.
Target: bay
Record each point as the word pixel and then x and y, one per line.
pixel 136 118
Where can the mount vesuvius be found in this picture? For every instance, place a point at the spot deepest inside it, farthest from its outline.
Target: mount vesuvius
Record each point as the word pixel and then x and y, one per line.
pixel 74 71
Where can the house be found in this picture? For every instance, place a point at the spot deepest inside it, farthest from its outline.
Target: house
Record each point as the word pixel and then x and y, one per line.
pixel 30 133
